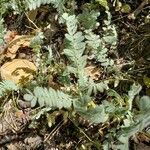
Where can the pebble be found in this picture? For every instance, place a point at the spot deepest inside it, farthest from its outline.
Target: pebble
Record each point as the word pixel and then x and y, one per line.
pixel 22 55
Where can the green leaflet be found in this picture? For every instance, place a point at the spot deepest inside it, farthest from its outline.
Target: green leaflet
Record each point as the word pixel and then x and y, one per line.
pixel 125 143
pixel 141 121
pixel 89 86
pixel 49 98
pixel 144 103
pixel 103 3
pixel 37 40
pixel 95 87
pixel 41 112
pixel 33 4
pixel 2 31
pixel 17 5
pixel 3 7
pixel 146 81
pixel 135 89
pixel 97 46
pixel 88 19
pixel 94 115
pixel 76 45
pixel 92 39
pixel 126 8
pixel 7 86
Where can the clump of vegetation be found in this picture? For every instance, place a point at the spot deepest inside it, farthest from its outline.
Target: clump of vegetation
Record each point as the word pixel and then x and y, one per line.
pixel 76 77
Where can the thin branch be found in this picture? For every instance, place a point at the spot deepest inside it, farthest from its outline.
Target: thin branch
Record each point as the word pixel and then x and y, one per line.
pixel 138 10
pixel 31 21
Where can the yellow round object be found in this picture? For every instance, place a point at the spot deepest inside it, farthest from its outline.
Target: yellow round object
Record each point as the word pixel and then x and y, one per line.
pixel 18 70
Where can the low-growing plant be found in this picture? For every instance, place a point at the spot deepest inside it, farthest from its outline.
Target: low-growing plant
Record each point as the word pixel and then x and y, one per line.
pixel 86 41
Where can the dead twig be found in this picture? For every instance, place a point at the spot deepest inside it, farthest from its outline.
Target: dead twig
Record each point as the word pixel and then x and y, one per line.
pixel 138 10
pixel 54 131
pixel 32 22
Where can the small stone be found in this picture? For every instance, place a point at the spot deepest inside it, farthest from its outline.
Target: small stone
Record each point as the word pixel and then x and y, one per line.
pixel 24 104
pixel 22 55
pixel 34 142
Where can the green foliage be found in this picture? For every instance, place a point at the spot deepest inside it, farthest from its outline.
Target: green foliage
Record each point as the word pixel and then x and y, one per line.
pixel 89 86
pixel 88 18
pixel 144 103
pixel 135 89
pixel 6 87
pixel 33 4
pixel 3 7
pixel 103 3
pixel 132 123
pixel 17 6
pixel 98 48
pixel 76 44
pixel 36 41
pixel 75 52
pixel 94 115
pixel 110 33
pixel 146 81
pixel 41 112
pixel 49 98
pixel 126 8
pixel 50 55
pixel 86 43
pixel 75 48
pixel 2 31
pixel 141 122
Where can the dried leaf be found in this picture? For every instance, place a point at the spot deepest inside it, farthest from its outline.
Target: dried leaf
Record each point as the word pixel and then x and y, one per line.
pixel 16 43
pixel 9 36
pixel 93 72
pixel 18 70
pixel 12 119
pixel 53 84
pixel 143 137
